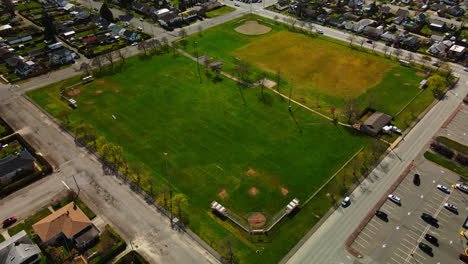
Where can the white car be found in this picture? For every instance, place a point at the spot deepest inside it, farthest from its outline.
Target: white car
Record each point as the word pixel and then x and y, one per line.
pixel 141 19
pixel 346 202
pixel 465 69
pixel 134 43
pixel 451 207
pixel 443 188
pixel 461 187
pixel 319 31
pixel 394 199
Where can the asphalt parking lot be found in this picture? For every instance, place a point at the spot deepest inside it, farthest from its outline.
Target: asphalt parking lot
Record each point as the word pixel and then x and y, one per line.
pixel 396 241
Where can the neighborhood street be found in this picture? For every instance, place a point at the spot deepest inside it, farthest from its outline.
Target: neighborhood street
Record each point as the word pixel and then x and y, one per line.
pixel 144 228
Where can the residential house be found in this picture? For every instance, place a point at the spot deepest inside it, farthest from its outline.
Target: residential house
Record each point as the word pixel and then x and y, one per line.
pixel 349 16
pixel 322 18
pixel 411 43
pixel 309 13
pixel 282 5
pixel 131 36
pixel 419 18
pixel 62 56
pixel 5 29
pixel 457 51
pixel 15 166
pixel 56 45
pixel 37 53
pixel 125 18
pixel 407 2
pixel 400 16
pixel 355 3
pixel 69 223
pixel 20 39
pixel 169 20
pixel 442 11
pixel 189 15
pixel 456 11
pixel 211 5
pixel 385 11
pixel 336 22
pixel 436 38
pixel 373 32
pixel 16 21
pixel 448 43
pixel 437 24
pixel 436 7
pixel 374 124
pixel 90 39
pixel 359 26
pixel 437 48
pixel 24 69
pixel 161 12
pixel 5 54
pixel 19 249
pixel 450 2
pixel 389 37
pixel 13 61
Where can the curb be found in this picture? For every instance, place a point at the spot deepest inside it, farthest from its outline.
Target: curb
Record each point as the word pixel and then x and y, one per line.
pixel 445 124
pixel 364 222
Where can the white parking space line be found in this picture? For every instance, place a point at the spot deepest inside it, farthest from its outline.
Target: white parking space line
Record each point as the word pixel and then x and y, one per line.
pixel 368 229
pixel 370 224
pixel 409 249
pixel 397 254
pixel 446 214
pixel 359 244
pixel 419 255
pixel 436 202
pixel 360 237
pixel 411 236
pixel 362 233
pixel 407 241
pixel 387 207
pixel 418 229
pixel 404 253
pixel 376 222
pixel 417 234
pixel 421 225
pixel 404 188
pixel 395 260
pixel 456 200
pixel 442 196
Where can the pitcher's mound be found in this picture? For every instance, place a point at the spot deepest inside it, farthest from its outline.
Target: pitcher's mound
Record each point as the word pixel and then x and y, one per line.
pixel 252 27
pixel 257 220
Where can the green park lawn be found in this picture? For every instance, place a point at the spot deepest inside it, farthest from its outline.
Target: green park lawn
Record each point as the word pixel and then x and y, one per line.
pixel 220 11
pixel 325 72
pixel 218 148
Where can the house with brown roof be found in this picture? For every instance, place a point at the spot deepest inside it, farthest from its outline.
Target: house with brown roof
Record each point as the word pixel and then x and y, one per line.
pixel 69 223
pixel 374 124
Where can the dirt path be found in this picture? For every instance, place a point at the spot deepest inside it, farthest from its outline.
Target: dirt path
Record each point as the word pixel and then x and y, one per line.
pixel 252 86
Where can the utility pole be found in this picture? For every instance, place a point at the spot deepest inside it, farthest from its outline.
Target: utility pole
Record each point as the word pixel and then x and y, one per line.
pixel 198 64
pixel 289 107
pixel 78 187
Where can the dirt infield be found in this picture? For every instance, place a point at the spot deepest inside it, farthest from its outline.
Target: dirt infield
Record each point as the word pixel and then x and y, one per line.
pixel 284 191
pixel 222 194
pixel 98 91
pixel 74 92
pixel 257 220
pixel 252 27
pixel 253 191
pixel 421 74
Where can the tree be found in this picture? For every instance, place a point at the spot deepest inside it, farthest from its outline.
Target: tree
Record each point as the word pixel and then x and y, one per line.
pixel 226 247
pixel 351 39
pixel 385 50
pixel 86 132
pixel 109 151
pixel 85 67
pixel 437 85
pixel 426 59
pixel 397 53
pixel 138 170
pixel 183 35
pixel 125 3
pixel 374 45
pixel 351 110
pixel 98 62
pixel 179 200
pixel 64 114
pixel 163 191
pixel 410 56
pixel 122 55
pixel 9 7
pixel 109 56
pixel 310 28
pixel 49 27
pixel 106 13
pixel 372 100
pixel 242 68
pixel 143 45
pixel 276 18
pixel 446 71
pixel 200 30
pixel 154 44
pixel 362 41
pixel 165 43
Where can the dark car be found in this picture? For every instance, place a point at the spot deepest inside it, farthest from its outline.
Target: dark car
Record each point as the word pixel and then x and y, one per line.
pixel 369 41
pixel 429 219
pixel 416 179
pixel 7 222
pixel 425 248
pixel 381 215
pixel 463 258
pixel 431 239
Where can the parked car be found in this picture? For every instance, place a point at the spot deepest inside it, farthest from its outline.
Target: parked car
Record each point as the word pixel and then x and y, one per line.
pixel 319 31
pixel 346 202
pixel 416 179
pixel 96 9
pixel 431 239
pixel 463 258
pixel 141 19
pixel 10 220
pixel 428 218
pixel 369 41
pixel 443 188
pixel 465 69
pixel 140 29
pixel 425 248
pixel 461 187
pixel 236 4
pixel 394 199
pixel 134 43
pixel 451 208
pixel 381 215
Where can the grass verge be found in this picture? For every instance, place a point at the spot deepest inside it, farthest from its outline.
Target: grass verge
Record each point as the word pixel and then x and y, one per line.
pixel 29 222
pixel 453 144
pixel 446 164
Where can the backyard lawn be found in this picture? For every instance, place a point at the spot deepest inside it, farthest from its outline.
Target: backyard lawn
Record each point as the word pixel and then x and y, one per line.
pixel 250 158
pixel 323 72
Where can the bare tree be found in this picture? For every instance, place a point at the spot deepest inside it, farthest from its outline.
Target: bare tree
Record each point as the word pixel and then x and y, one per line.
pixel 410 56
pixel 165 43
pixel 351 39
pixel 374 45
pixel 85 67
pixel 183 35
pixel 64 114
pixel 154 44
pixel 179 200
pixel 362 41
pixel 98 62
pixel 200 30
pixel 350 110
pixel 122 55
pixel 372 100
pixel 397 53
pixel 143 45
pixel 109 56
pixel 226 247
pixel 425 59
pixel 243 69
pixel 276 18
pixel 385 50
pixel 138 170
pixel 310 28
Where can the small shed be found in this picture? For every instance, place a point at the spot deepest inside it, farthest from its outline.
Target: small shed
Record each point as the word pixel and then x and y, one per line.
pixel 374 124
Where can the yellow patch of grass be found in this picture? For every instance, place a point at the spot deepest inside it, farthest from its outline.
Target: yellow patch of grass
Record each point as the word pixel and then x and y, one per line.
pixel 314 64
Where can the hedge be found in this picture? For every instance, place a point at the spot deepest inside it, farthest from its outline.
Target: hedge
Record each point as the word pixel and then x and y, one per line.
pixel 112 252
pixel 453 144
pixel 463 160
pixel 442 150
pixel 446 164
pixel 132 257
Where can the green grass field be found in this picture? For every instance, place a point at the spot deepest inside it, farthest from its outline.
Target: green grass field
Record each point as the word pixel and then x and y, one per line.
pixel 220 11
pixel 324 70
pixel 214 144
